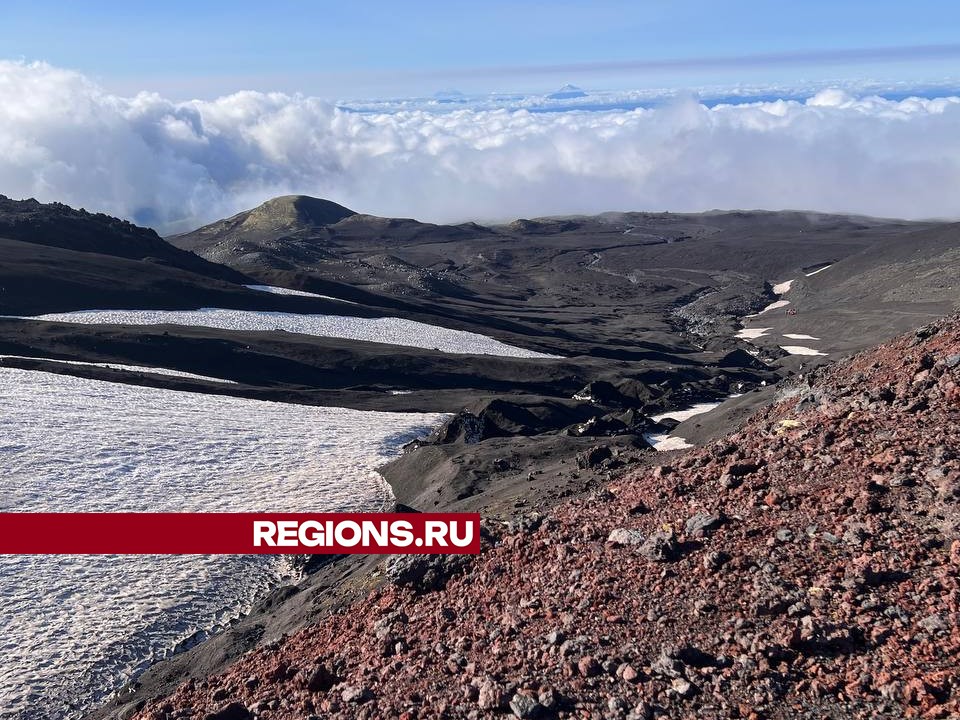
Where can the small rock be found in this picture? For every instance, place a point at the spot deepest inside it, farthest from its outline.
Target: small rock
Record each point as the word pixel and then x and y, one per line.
pixel 683 688
pixel 715 559
pixel 555 637
pixel 702 524
pixel 548 698
pixel 588 666
pixel 667 664
pixel 742 469
pixel 355 695
pixel 934 623
pixel 730 482
pixel 660 547
pixel 491 695
pixel 524 706
pixel 319 679
pixel 233 711
pixel 625 536
pixel 593 457
pixel 641 711
pixel 617 707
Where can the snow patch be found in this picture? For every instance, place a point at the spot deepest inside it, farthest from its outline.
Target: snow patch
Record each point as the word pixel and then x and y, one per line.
pixel 798 336
pixel 663 442
pixel 273 289
pixel 389 330
pixel 681 415
pixel 818 270
pixel 128 368
pixel 782 288
pixel 800 350
pixel 752 333
pixel 772 306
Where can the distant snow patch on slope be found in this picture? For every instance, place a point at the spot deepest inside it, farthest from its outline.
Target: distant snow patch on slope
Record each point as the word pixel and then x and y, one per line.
pixel 800 350
pixel 782 288
pixel 663 442
pixel 771 306
pixel 818 270
pixel 390 331
pixel 681 415
pixel 752 333
pixel 287 291
pixel 128 368
pixel 799 336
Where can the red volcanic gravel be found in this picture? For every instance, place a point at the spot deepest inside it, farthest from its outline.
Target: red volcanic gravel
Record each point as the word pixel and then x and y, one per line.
pixel 804 566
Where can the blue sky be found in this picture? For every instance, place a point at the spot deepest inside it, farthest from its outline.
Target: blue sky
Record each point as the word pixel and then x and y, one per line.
pixel 373 48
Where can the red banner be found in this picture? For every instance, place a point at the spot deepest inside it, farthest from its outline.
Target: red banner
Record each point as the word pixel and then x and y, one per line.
pixel 238 533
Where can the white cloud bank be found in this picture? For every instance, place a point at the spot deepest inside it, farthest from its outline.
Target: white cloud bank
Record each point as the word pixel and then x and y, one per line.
pixel 174 165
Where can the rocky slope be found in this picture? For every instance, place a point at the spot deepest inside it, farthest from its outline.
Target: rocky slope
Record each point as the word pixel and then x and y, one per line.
pixel 804 566
pixel 57 225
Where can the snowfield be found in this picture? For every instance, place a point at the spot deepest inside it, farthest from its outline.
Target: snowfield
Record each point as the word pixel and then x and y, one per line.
pixel 665 441
pixel 693 411
pixel 73 628
pixel 752 333
pixel 392 331
pixel 772 306
pixel 287 291
pixel 127 368
pixel 800 350
pixel 819 270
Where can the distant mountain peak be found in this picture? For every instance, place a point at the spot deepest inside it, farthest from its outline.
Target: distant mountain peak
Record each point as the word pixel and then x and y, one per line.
pixel 567 92
pixel 449 94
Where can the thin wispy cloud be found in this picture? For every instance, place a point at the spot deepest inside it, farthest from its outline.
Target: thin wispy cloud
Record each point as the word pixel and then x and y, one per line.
pixel 178 164
pixel 841 56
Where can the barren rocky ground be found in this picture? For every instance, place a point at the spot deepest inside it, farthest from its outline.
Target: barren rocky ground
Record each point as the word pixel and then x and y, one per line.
pixel 804 566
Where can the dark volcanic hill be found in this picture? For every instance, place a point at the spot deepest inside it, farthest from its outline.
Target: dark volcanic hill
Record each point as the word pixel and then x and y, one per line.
pixel 60 226
pixel 283 218
pixel 55 258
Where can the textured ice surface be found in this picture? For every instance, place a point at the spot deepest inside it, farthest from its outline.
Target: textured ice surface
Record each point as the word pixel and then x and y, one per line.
pixel 128 368
pixel 75 627
pixel 394 331
pixel 287 291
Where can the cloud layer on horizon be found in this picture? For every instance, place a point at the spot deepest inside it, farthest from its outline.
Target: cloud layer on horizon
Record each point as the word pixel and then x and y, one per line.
pixel 177 165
